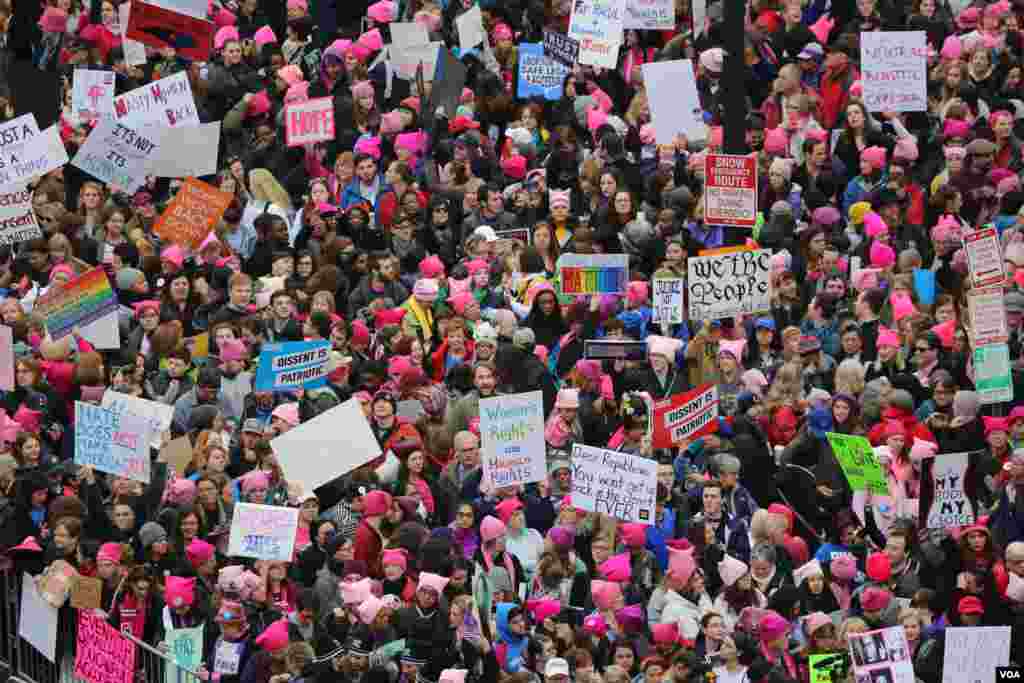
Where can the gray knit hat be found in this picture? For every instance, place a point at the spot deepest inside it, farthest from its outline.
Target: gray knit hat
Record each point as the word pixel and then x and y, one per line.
pixel 152 533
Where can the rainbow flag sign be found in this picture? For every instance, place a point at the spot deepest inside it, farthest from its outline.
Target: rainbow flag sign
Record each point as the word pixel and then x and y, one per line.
pixel 582 274
pixel 88 302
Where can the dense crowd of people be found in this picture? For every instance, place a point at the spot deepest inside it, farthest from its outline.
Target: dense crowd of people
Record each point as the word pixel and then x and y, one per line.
pixel 423 243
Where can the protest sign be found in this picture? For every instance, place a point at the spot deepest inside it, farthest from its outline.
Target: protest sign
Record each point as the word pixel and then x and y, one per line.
pixel 26 152
pixel 539 76
pixel 944 501
pixel 561 48
pixel 18 222
pixel 859 464
pixel 134 51
pixel 193 8
pixel 992 379
pixel 177 454
pixel 117 154
pixel 924 285
pixel 614 349
pixel 617 484
pixel 730 190
pixel 192 213
pixel 37 622
pixel 309 122
pixel 597 26
pixel 88 303
pixel 882 655
pixel 893 70
pixel 6 358
pixel 185 648
pixel 668 300
pixel 86 592
pixel 92 93
pixel 470 25
pixel 159 27
pixel 102 655
pixel 822 667
pixel 263 532
pixel 685 416
pixel 581 274
pixel 293 365
pixel 521 234
pixel 108 442
pixel 650 15
pixel 988 316
pixel 158 415
pixel 731 284
pixel 972 653
pixel 405 61
pixel 984 257
pixel 183 152
pixel 309 453
pixel 512 439
pixel 167 102
pixel 408 34
pixel 673 100
pixel 449 79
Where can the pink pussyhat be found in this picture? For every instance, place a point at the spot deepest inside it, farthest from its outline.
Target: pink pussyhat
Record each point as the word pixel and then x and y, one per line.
pixel 822 27
pixel 264 36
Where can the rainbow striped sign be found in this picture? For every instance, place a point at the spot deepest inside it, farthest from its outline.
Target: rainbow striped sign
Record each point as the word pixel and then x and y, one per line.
pixel 582 274
pixel 84 300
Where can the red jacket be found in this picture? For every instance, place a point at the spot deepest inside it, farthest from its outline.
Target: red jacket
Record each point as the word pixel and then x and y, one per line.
pixel 368 547
pixel 835 93
pixel 388 206
pixel 913 428
pixel 438 357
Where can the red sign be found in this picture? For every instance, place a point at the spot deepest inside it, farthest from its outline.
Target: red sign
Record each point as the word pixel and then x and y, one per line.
pixel 730 190
pixel 310 121
pixel 685 416
pixel 984 257
pixel 158 27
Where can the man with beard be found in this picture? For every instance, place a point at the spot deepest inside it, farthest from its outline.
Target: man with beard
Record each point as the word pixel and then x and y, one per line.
pixel 205 392
pixel 975 185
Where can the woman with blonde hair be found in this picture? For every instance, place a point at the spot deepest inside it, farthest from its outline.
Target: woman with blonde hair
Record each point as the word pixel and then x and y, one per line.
pixel 850 377
pixel 268 196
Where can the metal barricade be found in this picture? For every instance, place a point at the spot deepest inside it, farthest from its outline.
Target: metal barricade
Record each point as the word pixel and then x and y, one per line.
pixel 25 664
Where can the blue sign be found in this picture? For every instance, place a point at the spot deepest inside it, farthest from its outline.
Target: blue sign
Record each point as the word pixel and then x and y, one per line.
pixel 539 75
pixel 293 365
pixel 112 443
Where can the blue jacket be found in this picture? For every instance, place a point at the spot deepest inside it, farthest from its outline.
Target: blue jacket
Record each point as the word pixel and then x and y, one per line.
pixel 351 196
pixel 514 646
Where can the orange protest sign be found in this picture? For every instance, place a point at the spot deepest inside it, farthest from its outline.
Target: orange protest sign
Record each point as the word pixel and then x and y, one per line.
pixel 193 212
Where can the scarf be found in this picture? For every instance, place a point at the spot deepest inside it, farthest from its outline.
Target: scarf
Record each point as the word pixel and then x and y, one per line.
pixel 509 565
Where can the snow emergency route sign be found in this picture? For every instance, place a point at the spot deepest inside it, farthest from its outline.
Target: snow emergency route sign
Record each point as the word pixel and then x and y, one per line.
pixel 730 190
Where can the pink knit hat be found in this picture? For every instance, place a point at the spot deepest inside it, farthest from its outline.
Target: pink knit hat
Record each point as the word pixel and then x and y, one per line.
pixel 952 48
pixel 383 12
pixel 223 35
pixel 432 581
pixel 882 255
pixel 507 508
pixel 111 552
pixel 257 479
pixel 178 591
pixel 274 637
pixel 390 123
pixel 843 567
pixel 233 349
pixel 514 167
pixel 289 412
pixel 731 570
pixel 412 142
pixel 887 337
pixel 874 225
pixel 617 568
pixel 637 292
pixel 199 552
pixel 290 74
pixel 355 592
pixel 174 254
pixel 377 503
pixel 681 564
pixel 491 528
pixel 874 156
pixel 542 609
pixel 776 141
pixel 54 20
pixel 398 557
pixel 264 36
pixel 297 93
pixel 605 594
pixel 369 609
pixel 772 627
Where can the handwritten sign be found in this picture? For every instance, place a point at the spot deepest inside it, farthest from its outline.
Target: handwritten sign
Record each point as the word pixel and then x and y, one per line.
pixel 512 436
pixel 882 655
pixel 160 27
pixel 18 221
pixel 86 592
pixel 992 379
pixel 6 358
pixel 581 274
pixel 192 213
pixel 183 152
pixel 291 365
pixel 185 647
pixel 88 302
pixel 618 484
pixel 263 532
pixel 167 102
pixel 988 316
pixel 673 101
pixel 597 26
pixel 561 48
pixel 539 75
pixel 944 499
pixel 116 153
pixel 309 122
pixel 92 93
pixel 727 285
pixel 972 653
pixel 893 67
pixel 158 415
pixel 984 257
pixel 117 444
pixel 685 416
pixel 668 300
pixel 102 654
pixel 730 195
pixel 859 464
pixel 650 15
pixel 26 152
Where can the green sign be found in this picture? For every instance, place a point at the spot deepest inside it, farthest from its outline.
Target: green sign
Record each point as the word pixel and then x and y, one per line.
pixel 185 648
pixel 821 667
pixel 859 463
pixel 992 378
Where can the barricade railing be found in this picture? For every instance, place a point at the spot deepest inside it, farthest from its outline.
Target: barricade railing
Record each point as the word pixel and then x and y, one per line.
pixel 26 664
